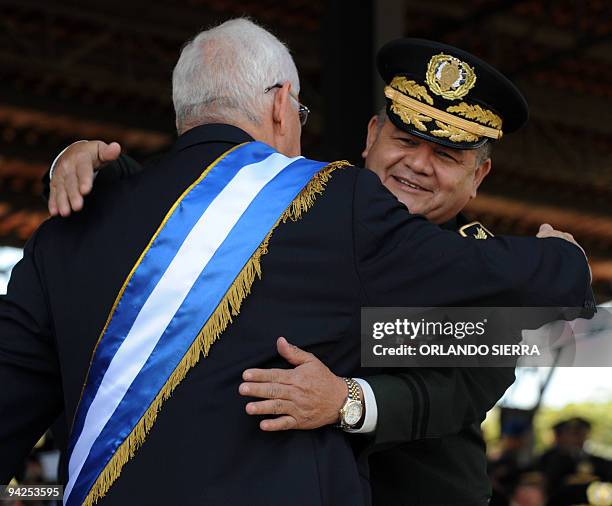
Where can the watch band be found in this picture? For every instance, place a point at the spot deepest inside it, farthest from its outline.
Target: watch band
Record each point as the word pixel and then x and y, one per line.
pixel 354 392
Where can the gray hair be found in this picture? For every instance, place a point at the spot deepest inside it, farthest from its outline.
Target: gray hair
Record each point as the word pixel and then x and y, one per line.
pixel 222 73
pixel 483 153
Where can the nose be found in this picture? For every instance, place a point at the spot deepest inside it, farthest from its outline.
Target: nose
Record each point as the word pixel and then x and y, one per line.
pixel 420 160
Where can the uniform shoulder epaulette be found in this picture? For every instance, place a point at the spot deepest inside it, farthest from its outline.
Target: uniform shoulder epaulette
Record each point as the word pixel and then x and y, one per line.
pixel 476 230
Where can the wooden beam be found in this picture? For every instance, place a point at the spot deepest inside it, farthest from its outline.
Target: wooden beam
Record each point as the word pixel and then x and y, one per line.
pixel 602 270
pixel 71 127
pixel 532 215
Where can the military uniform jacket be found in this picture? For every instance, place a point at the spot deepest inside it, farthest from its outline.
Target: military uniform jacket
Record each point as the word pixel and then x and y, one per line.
pixel 437 456
pixel 357 246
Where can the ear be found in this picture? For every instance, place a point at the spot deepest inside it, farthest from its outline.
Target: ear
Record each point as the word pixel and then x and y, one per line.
pixel 482 171
pixel 372 135
pixel 280 108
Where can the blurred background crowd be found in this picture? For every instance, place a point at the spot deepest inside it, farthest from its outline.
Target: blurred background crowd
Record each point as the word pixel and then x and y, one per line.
pixel 561 472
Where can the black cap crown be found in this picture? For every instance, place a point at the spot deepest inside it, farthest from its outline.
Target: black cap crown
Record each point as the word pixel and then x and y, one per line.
pixel 446 95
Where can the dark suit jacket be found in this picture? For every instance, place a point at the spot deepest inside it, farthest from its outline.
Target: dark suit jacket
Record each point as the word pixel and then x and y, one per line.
pixel 357 246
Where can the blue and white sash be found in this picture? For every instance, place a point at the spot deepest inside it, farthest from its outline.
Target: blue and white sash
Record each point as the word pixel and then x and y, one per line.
pixel 203 244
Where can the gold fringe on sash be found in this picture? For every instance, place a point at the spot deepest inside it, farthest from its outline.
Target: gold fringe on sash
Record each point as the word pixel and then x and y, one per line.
pixel 214 327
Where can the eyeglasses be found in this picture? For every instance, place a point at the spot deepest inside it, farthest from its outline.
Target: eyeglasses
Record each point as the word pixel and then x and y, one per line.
pixel 303 111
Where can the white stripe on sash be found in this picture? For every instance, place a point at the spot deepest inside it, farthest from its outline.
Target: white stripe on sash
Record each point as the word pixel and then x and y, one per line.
pixel 164 301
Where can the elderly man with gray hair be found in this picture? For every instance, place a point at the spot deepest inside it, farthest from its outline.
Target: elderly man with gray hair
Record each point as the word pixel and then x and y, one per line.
pixel 138 316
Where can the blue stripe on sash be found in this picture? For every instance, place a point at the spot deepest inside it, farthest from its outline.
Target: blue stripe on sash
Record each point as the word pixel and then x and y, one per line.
pixel 165 248
pixel 212 284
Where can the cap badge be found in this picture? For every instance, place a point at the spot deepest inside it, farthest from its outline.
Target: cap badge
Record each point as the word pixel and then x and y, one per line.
pixel 449 77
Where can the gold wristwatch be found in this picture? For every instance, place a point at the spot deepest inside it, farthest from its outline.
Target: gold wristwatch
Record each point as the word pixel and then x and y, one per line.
pixel 352 410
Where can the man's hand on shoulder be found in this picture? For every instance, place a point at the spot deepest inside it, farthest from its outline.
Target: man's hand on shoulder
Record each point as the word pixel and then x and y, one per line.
pixel 72 174
pixel 305 397
pixel 547 230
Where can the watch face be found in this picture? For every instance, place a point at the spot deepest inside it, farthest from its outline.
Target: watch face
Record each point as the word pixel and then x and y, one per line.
pixel 353 412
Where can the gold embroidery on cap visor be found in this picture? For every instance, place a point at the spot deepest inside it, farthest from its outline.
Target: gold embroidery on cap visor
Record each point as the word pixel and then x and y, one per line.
pixel 411 88
pixel 453 134
pixel 410 117
pixel 477 113
pixel 449 77
pixel 454 128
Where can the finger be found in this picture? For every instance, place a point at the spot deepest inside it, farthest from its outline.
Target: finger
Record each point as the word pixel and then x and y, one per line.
pixel 61 198
pixel 277 424
pixel 108 152
pixel 72 189
pixel 85 176
pixel 266 390
pixel 52 204
pixel 268 376
pixel 270 407
pixel 291 353
pixel 545 230
pixel 545 234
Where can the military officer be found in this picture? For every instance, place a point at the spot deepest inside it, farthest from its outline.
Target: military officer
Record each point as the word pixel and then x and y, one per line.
pixel 567 465
pixel 431 147
pixel 422 155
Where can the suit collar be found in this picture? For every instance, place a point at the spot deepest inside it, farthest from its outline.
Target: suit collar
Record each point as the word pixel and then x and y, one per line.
pixel 455 223
pixel 214 132
pixel 452 224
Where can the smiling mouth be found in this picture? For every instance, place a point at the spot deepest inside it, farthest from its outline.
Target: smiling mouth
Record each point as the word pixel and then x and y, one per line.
pixel 409 184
